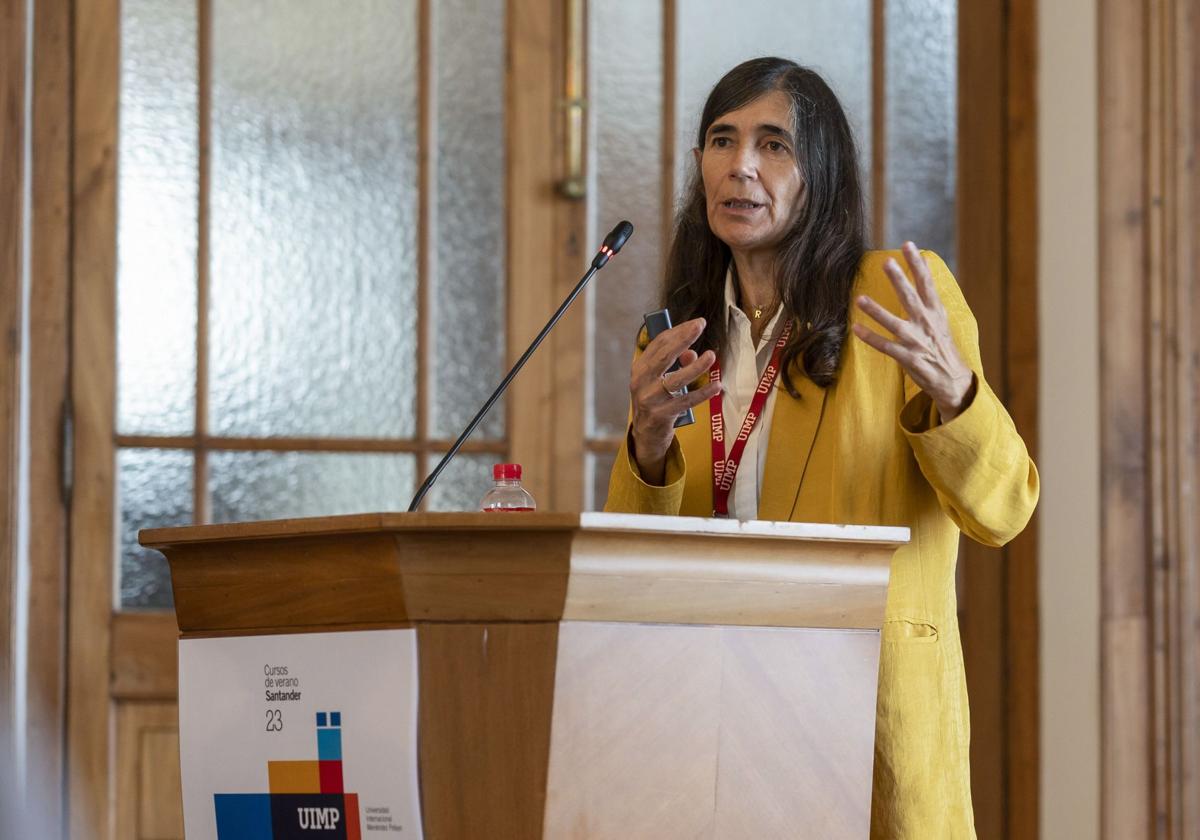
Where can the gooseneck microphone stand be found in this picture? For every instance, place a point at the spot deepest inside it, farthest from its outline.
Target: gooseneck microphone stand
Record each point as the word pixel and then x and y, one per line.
pixel 612 244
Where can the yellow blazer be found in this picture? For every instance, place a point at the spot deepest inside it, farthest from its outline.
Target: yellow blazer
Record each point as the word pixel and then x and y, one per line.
pixel 871 450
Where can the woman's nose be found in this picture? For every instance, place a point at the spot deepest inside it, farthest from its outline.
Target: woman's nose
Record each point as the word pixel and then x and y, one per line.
pixel 744 164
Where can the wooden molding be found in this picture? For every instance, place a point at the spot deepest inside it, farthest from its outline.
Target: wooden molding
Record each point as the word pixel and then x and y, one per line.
pixel 1150 394
pixel 42 348
pixel 48 349
pixel 1022 690
pixel 878 185
pixel 533 29
pixel 94 240
pixel 570 253
pixel 982 271
pixel 12 194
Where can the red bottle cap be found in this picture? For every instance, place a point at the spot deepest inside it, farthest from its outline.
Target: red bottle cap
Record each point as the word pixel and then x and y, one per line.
pixel 506 472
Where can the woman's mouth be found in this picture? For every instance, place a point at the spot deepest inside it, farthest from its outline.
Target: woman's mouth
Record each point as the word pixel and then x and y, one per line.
pixel 741 204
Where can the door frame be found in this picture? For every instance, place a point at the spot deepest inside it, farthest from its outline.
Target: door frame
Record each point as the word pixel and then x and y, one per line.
pixel 997 254
pixel 90 716
pixel 34 283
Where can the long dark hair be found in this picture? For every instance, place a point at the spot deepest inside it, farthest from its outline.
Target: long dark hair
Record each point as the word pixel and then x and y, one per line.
pixel 817 260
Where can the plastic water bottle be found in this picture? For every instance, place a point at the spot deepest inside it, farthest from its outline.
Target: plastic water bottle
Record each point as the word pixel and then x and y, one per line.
pixel 507 495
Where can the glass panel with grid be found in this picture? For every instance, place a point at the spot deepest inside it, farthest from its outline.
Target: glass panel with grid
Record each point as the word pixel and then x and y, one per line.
pixel 301 187
pixel 922 125
pixel 313 219
pixel 641 148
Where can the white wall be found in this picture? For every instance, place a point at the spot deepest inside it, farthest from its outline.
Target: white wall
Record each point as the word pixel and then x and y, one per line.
pixel 1069 542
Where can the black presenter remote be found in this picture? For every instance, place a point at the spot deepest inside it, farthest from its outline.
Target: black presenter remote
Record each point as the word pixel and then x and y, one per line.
pixel 657 322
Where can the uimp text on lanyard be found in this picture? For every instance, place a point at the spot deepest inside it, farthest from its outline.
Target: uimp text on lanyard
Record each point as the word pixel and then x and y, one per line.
pixel 725 468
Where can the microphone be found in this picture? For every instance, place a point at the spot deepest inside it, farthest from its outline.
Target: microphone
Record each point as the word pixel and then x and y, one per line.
pixel 612 244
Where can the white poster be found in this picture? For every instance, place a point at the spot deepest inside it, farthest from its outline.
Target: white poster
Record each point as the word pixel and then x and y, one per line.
pixel 300 736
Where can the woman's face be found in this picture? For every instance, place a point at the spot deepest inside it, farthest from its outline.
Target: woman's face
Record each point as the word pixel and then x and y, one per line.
pixel 753 188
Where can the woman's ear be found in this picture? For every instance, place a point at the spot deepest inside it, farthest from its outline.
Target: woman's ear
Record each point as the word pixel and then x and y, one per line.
pixel 696 154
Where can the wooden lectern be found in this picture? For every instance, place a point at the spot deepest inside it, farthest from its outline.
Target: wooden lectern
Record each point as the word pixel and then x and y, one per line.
pixel 590 675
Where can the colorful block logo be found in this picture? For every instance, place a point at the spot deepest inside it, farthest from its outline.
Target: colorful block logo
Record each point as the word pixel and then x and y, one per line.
pixel 306 798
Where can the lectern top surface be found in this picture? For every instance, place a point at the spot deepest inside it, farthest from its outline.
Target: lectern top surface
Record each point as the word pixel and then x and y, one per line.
pixel 744 527
pixel 608 522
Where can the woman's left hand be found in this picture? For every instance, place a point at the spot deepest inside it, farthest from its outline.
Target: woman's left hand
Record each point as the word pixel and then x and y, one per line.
pixel 923 345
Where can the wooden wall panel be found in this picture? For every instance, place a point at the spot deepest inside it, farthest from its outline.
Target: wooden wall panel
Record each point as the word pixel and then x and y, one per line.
pixel 149 796
pixel 160 795
pixel 145 656
pixel 1150 298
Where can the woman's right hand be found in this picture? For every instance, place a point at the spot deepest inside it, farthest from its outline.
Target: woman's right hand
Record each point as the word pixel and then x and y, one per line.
pixel 654 409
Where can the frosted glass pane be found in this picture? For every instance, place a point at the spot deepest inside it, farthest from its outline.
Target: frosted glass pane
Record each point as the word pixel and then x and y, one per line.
pixel 833 38
pixel 462 485
pixel 154 490
pixel 314 205
pixel 275 485
pixel 627 159
pixel 157 166
pixel 599 467
pixel 922 124
pixel 468 337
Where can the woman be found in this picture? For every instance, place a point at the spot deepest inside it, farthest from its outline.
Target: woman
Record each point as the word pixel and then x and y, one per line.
pixel 893 426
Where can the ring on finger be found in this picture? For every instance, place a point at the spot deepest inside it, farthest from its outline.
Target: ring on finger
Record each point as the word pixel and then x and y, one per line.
pixel 677 392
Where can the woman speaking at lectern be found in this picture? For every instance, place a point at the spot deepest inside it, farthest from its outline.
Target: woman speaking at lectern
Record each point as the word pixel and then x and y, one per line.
pixel 872 407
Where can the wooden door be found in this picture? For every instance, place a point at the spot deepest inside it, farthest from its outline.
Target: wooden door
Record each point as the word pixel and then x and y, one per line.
pixel 194 214
pixel 389 131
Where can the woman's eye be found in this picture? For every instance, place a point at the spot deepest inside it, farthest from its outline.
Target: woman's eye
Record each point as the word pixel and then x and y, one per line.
pixel 720 142
pixel 775 146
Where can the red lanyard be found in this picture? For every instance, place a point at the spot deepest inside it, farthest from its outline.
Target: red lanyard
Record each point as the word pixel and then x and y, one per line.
pixel 725 469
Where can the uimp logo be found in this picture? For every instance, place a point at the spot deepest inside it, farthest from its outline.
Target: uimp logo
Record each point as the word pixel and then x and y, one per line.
pixel 306 798
pixel 319 818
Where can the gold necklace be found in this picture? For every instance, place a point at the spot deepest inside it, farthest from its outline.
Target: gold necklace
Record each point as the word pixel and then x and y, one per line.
pixel 759 311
